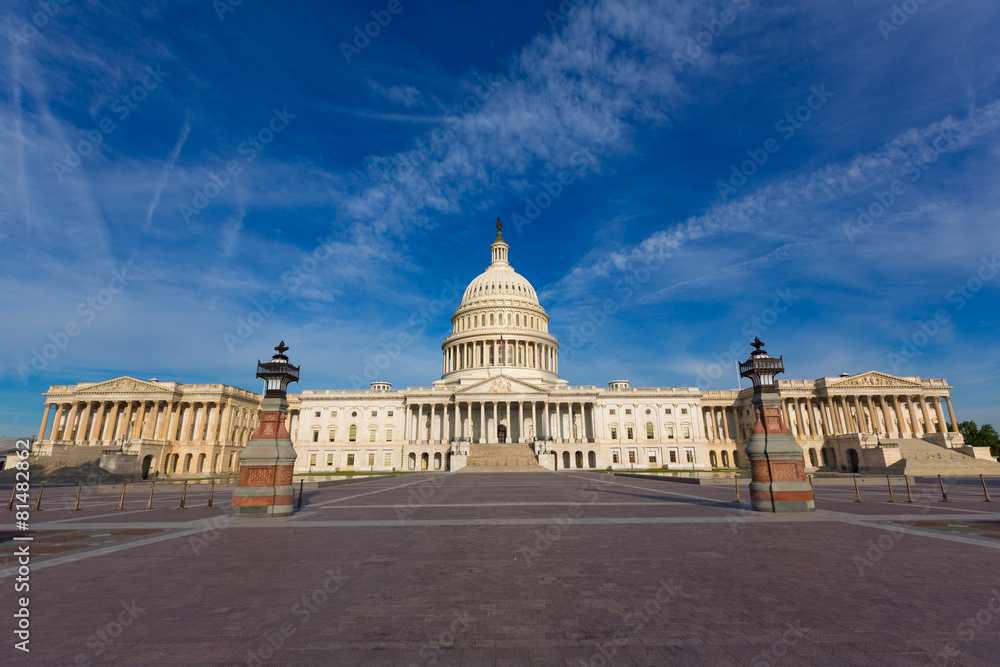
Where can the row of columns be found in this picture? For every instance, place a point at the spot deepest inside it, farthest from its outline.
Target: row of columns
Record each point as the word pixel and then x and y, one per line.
pixel 453 420
pixel 486 353
pixel 866 413
pixel 106 421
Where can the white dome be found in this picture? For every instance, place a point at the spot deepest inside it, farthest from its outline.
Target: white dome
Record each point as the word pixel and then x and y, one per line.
pixel 500 281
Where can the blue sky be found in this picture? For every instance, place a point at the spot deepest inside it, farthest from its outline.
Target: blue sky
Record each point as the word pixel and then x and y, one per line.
pixel 671 175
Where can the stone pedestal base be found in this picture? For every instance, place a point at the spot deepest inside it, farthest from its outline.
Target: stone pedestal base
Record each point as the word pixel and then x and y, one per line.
pixel 779 477
pixel 265 485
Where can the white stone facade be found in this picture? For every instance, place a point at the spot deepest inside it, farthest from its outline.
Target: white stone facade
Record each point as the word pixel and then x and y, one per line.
pixel 500 383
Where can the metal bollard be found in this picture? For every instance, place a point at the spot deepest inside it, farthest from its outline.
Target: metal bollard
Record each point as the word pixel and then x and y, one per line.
pixel 121 501
pixel 38 502
pixel 944 494
pixel 856 489
pixel 737 479
pixel 301 483
pixel 909 494
pixel 184 493
pixel 10 505
pixel 76 505
pixel 892 498
pixel 986 492
pixel 149 503
pixel 211 494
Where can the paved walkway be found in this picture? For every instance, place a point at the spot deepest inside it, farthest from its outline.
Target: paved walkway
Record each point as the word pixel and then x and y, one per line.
pixel 567 568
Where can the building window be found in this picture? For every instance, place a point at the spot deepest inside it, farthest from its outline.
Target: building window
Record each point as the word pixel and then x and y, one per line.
pixel 312 459
pixel 628 432
pixel 684 411
pixel 652 456
pixel 333 413
pixel 388 435
pixel 670 431
pixel 690 456
pixel 316 435
pixel 614 433
pixel 611 411
pixel 329 459
pixel 374 413
pixel 615 456
pixel 318 413
pixel 350 460
pixel 354 414
pixel 387 459
pixel 631 456
pixel 390 413
pixel 352 435
pixel 371 459
pixel 673 456
pixel 649 430
pixel 669 412
pixel 687 432
pixel 628 411
pixel 333 434
pixel 371 435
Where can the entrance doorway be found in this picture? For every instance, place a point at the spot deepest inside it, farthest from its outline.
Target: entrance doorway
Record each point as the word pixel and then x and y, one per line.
pixel 853 456
pixel 501 434
pixel 147 463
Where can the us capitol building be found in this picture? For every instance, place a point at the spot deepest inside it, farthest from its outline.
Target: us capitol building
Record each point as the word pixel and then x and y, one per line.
pixel 500 392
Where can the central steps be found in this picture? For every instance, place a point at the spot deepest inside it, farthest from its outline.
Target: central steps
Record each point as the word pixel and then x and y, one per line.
pixel 507 457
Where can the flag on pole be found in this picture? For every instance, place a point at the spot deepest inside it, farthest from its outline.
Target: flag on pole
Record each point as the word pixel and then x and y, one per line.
pixel 501 342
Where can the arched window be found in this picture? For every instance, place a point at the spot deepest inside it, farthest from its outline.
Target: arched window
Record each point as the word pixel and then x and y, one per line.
pixel 725 459
pixel 491 319
pixel 649 430
pixel 812 457
pixel 712 460
pixel 352 436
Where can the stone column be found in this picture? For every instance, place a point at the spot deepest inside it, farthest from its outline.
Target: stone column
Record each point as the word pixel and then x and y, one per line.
pixel 84 430
pixel 831 421
pixel 871 413
pixel 175 414
pixel 951 413
pixel 725 425
pixel 420 423
pixel 940 415
pixel 95 423
pixel 70 422
pixel 914 425
pixel 900 424
pixel 482 421
pixel 545 418
pixel 45 421
pixel 559 428
pixel 928 426
pixel 812 418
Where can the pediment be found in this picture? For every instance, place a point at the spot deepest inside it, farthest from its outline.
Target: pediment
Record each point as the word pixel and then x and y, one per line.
pixel 500 384
pixel 122 385
pixel 874 379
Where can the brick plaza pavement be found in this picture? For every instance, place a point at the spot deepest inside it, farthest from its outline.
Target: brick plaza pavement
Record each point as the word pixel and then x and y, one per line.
pixel 566 568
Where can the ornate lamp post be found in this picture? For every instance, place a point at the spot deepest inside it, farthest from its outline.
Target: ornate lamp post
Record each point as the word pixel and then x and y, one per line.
pixel 266 463
pixel 777 467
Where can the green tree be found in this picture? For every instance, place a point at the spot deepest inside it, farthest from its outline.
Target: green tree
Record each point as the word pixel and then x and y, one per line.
pixel 986 436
